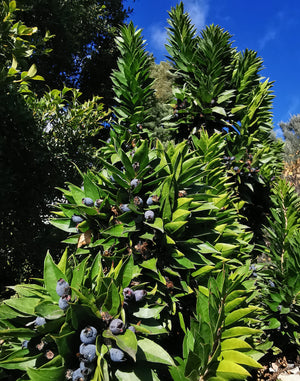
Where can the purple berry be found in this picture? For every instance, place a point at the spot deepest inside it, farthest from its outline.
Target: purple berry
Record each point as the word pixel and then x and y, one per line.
pixel 62 287
pixel 77 219
pixel 98 203
pixel 63 302
pixel 149 215
pixel 131 328
pixel 86 368
pixel 88 335
pixel 139 295
pixel 117 326
pixel 134 183
pixel 88 352
pixel 39 321
pixel 87 201
pixel 124 208
pixel 78 376
pixel 25 344
pixel 149 201
pixel 138 201
pixel 116 355
pixel 128 294
pixel 272 284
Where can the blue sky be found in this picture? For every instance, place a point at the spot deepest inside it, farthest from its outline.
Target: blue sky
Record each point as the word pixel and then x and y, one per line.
pixel 270 27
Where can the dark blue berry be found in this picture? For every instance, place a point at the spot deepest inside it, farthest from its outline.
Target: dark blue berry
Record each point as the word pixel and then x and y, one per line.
pixel 40 321
pixel 149 215
pixel 139 295
pixel 272 284
pixel 138 201
pixel 98 203
pixel 149 201
pixel 63 302
pixel 87 201
pixel 131 328
pixel 128 294
pixel 88 335
pixel 78 376
pixel 124 208
pixel 134 183
pixel 77 219
pixel 116 355
pixel 86 368
pixel 88 352
pixel 117 326
pixel 62 287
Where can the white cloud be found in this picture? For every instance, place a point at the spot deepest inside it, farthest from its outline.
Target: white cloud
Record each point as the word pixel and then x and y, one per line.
pixel 269 36
pixel 198 10
pixel 158 37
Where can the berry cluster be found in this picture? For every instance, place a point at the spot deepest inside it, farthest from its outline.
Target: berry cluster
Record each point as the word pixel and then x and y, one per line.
pixel 63 290
pixel 87 355
pixel 244 166
pixel 117 326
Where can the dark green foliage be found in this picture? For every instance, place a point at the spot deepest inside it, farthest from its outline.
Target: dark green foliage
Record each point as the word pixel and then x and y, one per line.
pixel 132 82
pixel 161 235
pixel 82 47
pixel 278 279
pixel 40 138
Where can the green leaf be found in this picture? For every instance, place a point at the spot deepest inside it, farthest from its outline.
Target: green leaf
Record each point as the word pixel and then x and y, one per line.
pixel 148 312
pixel 24 333
pixel 77 193
pixel 234 344
pixel 46 374
pixel 52 274
pixel 63 224
pixel 127 341
pixel 19 361
pixel 157 224
pixel 79 273
pixel 32 71
pixel 150 351
pixel 240 331
pixel 90 188
pixel 238 315
pixel 240 358
pixel 48 310
pixel 231 371
pixel 24 305
pixel 219 110
pixel 62 265
pixel 173 227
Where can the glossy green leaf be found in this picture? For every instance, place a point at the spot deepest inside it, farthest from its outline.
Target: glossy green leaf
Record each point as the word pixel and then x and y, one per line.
pixel 126 341
pixel 48 310
pixel 24 305
pixel 240 331
pixel 234 343
pixel 240 358
pixel 238 315
pixel 52 274
pixel 150 351
pixel 231 371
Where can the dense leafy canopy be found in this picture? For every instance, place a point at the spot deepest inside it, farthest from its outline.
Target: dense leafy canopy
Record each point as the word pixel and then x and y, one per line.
pixel 182 255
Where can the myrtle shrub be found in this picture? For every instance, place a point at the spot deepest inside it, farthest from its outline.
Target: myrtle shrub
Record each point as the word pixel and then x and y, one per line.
pixel 159 279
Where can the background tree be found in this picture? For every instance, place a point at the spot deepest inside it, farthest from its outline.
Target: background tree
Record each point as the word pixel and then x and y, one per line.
pixel 83 47
pixel 291 134
pixel 42 139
